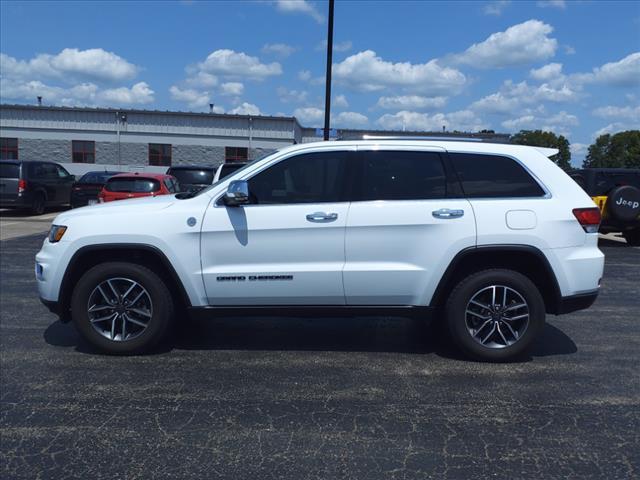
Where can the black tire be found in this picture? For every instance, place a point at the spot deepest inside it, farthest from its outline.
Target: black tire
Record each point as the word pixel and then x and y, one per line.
pixel 457 317
pixel 161 307
pixel 37 204
pixel 632 237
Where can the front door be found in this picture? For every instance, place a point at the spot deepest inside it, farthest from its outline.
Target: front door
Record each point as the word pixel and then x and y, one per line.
pixel 287 246
pixel 405 224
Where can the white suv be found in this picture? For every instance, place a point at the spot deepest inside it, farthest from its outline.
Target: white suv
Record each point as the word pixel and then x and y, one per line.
pixel 486 238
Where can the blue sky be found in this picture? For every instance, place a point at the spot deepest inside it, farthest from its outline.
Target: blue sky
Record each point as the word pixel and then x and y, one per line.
pixel 571 67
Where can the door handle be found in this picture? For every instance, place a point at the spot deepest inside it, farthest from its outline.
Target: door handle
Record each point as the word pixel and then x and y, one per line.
pixel 322 217
pixel 447 213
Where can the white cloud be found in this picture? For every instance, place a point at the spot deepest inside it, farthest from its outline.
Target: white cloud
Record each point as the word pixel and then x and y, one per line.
pixel 300 6
pixel 366 72
pixel 84 94
pixel 625 72
pixel 514 96
pixel 309 116
pixel 193 98
pixel 496 7
pixel 548 72
pixel 140 93
pixel 304 75
pixel 340 101
pixel 557 123
pixel 281 50
pixel 291 96
pixel 246 109
pixel 233 64
pixel 463 120
pixel 616 127
pixel 627 113
pixel 337 46
pixel 202 79
pixel 314 117
pixel 411 102
pixel 232 89
pixel 70 65
pixel 520 44
pixel 349 120
pixel 569 50
pixel 578 149
pixel 560 4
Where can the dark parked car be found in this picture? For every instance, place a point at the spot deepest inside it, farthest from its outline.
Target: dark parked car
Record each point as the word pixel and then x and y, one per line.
pixel 34 185
pixel 193 178
pixel 616 191
pixel 227 169
pixel 85 191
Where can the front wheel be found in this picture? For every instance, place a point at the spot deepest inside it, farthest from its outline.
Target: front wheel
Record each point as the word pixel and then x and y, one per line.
pixel 121 308
pixel 495 315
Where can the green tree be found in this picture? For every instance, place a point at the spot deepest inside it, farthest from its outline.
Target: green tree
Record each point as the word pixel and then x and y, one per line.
pixel 539 138
pixel 621 150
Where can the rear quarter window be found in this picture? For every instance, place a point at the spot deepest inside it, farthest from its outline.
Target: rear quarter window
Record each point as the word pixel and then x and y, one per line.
pixel 9 170
pixel 493 176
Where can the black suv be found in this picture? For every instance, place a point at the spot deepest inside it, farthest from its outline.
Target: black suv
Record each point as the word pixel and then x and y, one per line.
pixel 34 185
pixel 616 191
pixel 193 178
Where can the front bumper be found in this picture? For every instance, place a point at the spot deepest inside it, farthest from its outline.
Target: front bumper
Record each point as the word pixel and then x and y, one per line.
pixel 55 308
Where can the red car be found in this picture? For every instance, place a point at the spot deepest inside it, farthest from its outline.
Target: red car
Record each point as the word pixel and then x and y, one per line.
pixel 135 185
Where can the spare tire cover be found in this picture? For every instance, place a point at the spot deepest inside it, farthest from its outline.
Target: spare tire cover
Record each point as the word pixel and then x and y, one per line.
pixel 623 203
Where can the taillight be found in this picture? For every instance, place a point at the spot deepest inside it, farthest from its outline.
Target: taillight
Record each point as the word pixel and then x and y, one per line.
pixel 589 218
pixel 22 186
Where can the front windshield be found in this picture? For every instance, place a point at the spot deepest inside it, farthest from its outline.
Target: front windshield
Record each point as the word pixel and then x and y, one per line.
pixel 250 164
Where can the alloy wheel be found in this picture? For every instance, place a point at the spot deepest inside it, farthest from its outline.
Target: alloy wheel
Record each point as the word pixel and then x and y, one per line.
pixel 497 316
pixel 120 309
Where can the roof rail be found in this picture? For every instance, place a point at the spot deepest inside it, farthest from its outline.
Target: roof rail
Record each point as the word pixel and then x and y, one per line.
pixel 408 137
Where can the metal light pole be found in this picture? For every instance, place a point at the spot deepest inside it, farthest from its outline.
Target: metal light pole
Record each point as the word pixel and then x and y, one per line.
pixel 327 99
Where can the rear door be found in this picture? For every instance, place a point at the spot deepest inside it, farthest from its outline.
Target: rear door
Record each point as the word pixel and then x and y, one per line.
pixel 44 176
pixel 405 224
pixel 9 178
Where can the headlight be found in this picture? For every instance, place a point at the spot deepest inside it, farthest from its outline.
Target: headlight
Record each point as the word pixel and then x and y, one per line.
pixel 56 233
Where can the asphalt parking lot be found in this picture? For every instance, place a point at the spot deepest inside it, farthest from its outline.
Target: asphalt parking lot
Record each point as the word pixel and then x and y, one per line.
pixel 322 398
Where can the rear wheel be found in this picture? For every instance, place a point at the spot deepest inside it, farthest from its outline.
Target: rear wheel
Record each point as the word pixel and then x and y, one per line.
pixel 632 237
pixel 37 204
pixel 495 315
pixel 121 308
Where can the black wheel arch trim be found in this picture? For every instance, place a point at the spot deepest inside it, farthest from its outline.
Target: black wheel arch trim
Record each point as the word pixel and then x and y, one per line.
pixel 66 286
pixel 441 290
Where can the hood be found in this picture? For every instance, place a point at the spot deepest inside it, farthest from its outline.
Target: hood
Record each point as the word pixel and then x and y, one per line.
pixel 137 205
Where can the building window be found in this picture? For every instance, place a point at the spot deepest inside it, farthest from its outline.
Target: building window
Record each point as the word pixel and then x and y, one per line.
pixel 236 154
pixel 8 148
pixel 83 151
pixel 160 154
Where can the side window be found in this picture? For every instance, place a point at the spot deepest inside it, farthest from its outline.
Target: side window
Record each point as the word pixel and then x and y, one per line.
pixel 493 176
pixel 62 173
pixel 306 178
pixel 43 171
pixel 399 175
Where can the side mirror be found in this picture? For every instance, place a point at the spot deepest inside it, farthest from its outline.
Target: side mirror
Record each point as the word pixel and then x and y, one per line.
pixel 237 193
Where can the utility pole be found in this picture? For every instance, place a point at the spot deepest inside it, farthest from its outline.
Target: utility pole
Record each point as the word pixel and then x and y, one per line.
pixel 327 99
